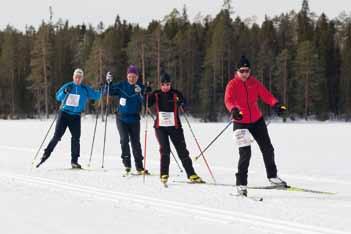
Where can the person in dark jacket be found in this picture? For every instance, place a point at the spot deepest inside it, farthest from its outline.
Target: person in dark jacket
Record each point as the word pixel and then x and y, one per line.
pixel 74 96
pixel 241 96
pixel 168 126
pixel 130 94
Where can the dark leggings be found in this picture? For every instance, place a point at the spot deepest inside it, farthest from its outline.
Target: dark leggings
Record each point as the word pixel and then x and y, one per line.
pixel 260 133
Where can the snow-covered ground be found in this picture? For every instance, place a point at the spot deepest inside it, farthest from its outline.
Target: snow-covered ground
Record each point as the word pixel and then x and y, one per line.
pixel 56 200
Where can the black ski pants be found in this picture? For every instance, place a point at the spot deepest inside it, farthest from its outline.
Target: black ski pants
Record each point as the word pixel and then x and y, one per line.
pixel 163 134
pixel 73 122
pixel 260 133
pixel 130 132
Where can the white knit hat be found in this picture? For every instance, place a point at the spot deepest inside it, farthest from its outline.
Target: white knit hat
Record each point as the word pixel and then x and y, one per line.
pixel 78 71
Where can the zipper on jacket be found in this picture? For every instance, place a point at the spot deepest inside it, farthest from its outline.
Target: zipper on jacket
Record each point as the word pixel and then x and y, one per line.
pixel 247 100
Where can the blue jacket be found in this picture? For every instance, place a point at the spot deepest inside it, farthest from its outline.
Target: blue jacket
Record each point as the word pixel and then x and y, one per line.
pixel 130 102
pixel 80 93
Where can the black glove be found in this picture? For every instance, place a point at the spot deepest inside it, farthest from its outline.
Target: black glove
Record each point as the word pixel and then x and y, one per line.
pixel 148 89
pixel 237 114
pixel 181 103
pixel 279 108
pixel 67 90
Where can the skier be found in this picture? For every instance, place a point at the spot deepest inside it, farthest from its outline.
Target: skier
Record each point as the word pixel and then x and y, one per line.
pixel 241 96
pixel 130 94
pixel 168 126
pixel 73 97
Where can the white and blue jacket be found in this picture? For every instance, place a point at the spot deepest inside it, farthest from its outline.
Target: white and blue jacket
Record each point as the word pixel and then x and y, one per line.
pixel 80 93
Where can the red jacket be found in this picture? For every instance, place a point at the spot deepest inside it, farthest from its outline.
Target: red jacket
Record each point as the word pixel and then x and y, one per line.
pixel 244 95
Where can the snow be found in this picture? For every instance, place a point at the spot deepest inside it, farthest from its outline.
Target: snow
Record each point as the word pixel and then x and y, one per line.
pixel 54 199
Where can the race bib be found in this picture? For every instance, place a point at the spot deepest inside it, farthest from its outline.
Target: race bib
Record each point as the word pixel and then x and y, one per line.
pixel 122 101
pixel 242 137
pixel 166 119
pixel 73 100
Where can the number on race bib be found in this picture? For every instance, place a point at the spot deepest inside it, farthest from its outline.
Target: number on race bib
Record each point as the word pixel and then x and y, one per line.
pixel 73 100
pixel 122 101
pixel 242 137
pixel 166 119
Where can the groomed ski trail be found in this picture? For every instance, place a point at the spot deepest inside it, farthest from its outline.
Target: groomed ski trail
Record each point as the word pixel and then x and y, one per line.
pixel 201 212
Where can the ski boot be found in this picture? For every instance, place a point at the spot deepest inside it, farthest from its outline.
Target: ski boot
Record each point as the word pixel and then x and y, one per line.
pixel 76 165
pixel 242 190
pixel 276 181
pixel 128 170
pixel 196 179
pixel 143 172
pixel 164 179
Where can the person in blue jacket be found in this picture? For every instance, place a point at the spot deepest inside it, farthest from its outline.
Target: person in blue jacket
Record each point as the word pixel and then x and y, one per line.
pixel 73 97
pixel 130 94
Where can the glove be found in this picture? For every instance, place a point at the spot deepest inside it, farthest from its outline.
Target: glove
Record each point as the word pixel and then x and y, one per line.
pixel 108 77
pixel 103 84
pixel 180 103
pixel 137 88
pixel 237 114
pixel 67 90
pixel 279 108
pixel 148 89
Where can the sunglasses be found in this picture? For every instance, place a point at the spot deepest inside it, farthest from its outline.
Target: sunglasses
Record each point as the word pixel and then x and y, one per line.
pixel 244 70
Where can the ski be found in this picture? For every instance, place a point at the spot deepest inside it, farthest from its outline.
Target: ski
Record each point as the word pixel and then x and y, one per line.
pixel 190 182
pixel 292 189
pixel 126 174
pixel 204 183
pixel 133 174
pixel 253 198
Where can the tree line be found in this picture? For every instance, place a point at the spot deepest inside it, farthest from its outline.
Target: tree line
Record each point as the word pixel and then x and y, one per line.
pixel 304 59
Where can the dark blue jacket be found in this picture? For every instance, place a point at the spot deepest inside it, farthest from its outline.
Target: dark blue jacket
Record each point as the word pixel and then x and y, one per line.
pixel 83 92
pixel 130 102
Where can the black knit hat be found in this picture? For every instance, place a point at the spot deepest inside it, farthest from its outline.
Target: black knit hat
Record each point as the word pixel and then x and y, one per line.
pixel 244 62
pixel 165 78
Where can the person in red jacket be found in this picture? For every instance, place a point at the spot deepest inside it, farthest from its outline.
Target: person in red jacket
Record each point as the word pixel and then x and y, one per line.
pixel 241 96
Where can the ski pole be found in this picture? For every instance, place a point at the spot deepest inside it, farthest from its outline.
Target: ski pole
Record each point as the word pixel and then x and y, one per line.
pixel 197 143
pixel 214 139
pixel 94 133
pixel 180 169
pixel 47 133
pixel 145 134
pixel 108 80
pixel 175 159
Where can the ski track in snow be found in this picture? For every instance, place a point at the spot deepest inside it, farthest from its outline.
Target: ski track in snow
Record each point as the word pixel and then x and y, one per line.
pixel 311 155
pixel 202 212
pixel 217 168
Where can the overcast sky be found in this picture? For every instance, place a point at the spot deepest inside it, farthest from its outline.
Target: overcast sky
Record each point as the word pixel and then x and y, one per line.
pixel 20 13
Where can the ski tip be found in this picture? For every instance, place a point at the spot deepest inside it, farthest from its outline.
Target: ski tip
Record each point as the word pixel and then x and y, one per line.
pixel 257 199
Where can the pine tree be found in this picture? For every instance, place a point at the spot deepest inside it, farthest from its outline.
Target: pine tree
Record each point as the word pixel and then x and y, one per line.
pixel 9 69
pixel 308 75
pixel 218 64
pixel 136 50
pixel 345 84
pixel 40 67
pixel 304 23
